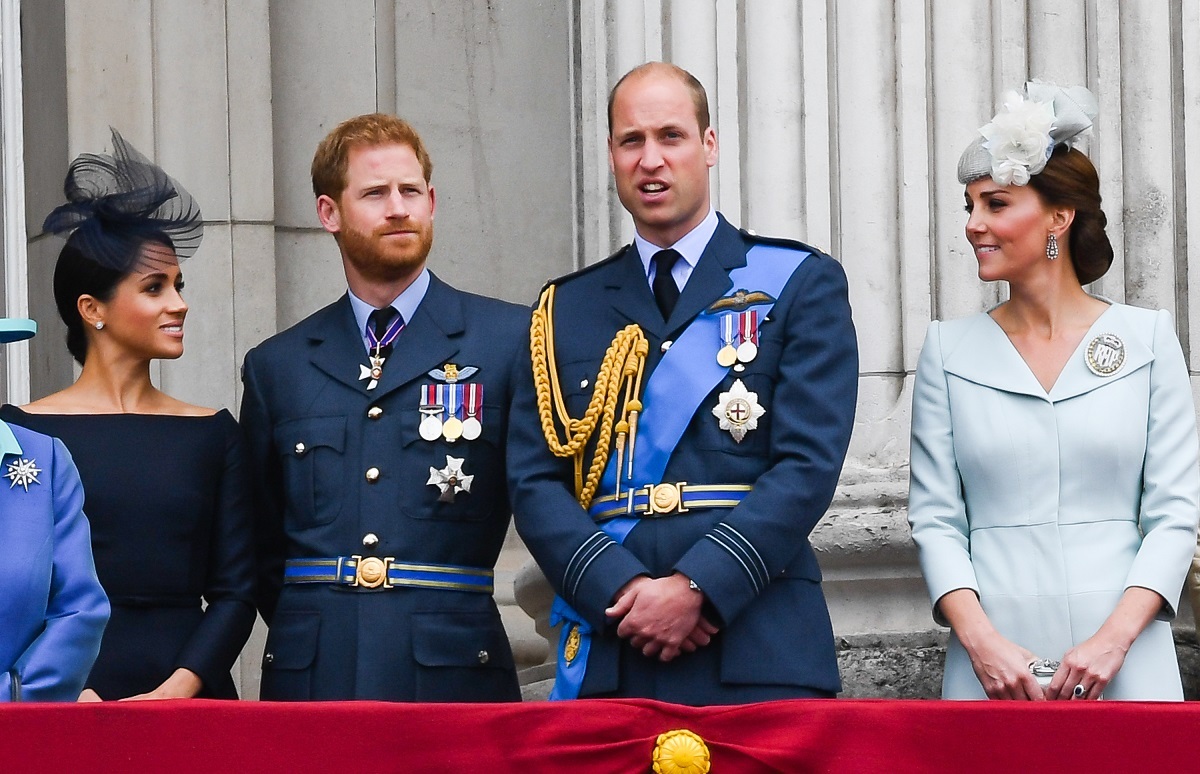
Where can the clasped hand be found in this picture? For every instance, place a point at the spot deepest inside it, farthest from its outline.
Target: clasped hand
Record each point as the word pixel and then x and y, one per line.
pixel 661 616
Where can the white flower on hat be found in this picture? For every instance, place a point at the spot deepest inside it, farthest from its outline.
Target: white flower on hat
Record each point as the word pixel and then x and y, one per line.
pixel 1018 139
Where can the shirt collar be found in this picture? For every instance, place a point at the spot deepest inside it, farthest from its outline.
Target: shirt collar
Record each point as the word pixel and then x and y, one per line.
pixel 8 441
pixel 690 246
pixel 406 303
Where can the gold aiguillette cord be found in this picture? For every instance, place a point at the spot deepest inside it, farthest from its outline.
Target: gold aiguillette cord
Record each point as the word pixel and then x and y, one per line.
pixel 623 366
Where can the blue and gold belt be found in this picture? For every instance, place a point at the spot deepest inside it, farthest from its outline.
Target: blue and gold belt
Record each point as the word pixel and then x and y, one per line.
pixel 657 500
pixel 371 572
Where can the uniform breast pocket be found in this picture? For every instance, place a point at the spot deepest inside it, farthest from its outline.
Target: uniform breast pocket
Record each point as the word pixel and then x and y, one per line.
pixel 459 481
pixel 312 452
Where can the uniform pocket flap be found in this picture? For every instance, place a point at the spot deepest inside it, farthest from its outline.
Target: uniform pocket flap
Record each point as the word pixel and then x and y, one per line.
pixel 297 436
pixel 460 640
pixel 292 642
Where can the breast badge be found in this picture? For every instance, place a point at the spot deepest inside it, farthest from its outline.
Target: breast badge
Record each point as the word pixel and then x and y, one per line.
pixel 1105 354
pixel 450 480
pixel 738 411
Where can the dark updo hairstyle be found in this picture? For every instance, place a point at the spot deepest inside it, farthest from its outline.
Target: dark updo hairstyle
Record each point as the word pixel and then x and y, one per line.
pixel 77 275
pixel 1070 180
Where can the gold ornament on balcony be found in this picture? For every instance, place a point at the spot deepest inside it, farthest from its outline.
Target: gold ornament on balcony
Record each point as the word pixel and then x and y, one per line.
pixel 680 752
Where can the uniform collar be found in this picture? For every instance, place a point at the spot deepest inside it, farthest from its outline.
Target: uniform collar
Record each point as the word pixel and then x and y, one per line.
pixel 406 304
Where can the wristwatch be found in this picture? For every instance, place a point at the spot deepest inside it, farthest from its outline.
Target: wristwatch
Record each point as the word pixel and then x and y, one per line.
pixel 694 586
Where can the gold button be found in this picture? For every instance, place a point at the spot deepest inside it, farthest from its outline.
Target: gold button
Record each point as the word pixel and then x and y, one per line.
pixel 370 540
pixel 483 657
pixel 374 412
pixel 372 475
pixel 666 345
pixel 300 447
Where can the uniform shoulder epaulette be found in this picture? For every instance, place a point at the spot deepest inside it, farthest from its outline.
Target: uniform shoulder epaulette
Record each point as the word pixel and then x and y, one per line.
pixel 795 244
pixel 586 269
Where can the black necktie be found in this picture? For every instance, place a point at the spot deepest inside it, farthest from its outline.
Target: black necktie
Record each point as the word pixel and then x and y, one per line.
pixel 666 292
pixel 379 321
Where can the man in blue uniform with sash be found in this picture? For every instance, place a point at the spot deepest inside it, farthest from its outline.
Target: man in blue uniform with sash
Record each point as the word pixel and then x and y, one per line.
pixel 691 404
pixel 377 427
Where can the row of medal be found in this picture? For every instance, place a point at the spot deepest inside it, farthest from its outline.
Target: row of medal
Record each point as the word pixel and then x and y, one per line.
pixel 451 411
pixel 739 339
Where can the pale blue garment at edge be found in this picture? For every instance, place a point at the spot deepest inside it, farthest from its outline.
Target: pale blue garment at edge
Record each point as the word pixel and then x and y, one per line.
pixel 1050 505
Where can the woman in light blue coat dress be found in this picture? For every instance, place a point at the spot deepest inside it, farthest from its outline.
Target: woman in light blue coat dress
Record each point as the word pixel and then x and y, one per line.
pixel 52 608
pixel 1054 483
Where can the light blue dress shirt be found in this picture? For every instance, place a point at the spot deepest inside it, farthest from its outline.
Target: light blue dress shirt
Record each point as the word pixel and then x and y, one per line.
pixel 406 304
pixel 690 246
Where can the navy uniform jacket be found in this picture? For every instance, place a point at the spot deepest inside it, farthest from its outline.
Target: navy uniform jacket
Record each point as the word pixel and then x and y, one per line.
pixel 754 562
pixel 312 434
pixel 52 608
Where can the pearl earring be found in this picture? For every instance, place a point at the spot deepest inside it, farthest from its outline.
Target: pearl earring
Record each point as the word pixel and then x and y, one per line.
pixel 99 325
pixel 1052 247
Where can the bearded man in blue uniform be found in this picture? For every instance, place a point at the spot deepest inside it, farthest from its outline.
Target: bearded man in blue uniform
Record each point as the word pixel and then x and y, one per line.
pixel 377 430
pixel 690 409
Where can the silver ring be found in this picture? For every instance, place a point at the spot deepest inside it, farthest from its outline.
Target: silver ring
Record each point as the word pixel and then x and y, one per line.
pixel 1079 691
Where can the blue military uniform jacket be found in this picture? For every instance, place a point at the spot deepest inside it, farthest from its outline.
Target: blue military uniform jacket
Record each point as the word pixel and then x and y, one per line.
pixel 753 562
pixel 52 608
pixel 314 431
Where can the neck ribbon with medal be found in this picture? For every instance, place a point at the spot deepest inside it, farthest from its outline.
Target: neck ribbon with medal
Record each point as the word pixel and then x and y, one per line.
pixel 373 372
pixel 676 388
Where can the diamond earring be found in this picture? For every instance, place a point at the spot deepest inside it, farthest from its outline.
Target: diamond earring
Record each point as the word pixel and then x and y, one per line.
pixel 1052 247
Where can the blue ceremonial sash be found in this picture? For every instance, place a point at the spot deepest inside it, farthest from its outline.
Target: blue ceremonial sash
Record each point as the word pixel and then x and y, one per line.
pixel 684 377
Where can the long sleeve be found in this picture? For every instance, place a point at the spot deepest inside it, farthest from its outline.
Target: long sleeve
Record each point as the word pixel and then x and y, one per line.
pixel 585 566
pixel 56 663
pixel 229 585
pixel 936 510
pixel 264 474
pixel 1170 475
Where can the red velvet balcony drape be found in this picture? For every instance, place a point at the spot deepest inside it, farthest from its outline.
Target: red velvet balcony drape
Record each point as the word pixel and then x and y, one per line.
pixel 597 736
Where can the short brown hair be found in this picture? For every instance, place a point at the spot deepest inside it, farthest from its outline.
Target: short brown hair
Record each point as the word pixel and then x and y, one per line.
pixel 332 158
pixel 699 96
pixel 1070 180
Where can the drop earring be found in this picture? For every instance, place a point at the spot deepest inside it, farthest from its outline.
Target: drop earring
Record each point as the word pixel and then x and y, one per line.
pixel 1052 247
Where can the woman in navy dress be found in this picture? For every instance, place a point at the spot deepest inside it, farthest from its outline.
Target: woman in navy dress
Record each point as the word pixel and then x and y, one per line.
pixel 165 480
pixel 52 609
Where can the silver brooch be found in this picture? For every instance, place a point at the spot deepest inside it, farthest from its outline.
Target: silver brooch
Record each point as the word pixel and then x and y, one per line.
pixel 738 411
pixel 22 473
pixel 450 480
pixel 1105 354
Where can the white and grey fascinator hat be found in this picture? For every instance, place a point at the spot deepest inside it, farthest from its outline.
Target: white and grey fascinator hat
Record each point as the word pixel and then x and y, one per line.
pixel 1019 140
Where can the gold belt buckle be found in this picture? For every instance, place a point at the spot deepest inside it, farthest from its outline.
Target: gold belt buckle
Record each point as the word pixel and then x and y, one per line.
pixel 665 499
pixel 372 572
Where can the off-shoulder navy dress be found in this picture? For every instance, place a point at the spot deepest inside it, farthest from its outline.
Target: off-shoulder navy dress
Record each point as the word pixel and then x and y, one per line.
pixel 167 499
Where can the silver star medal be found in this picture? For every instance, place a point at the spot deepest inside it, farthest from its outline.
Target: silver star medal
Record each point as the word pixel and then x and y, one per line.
pixel 22 473
pixel 450 479
pixel 738 410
